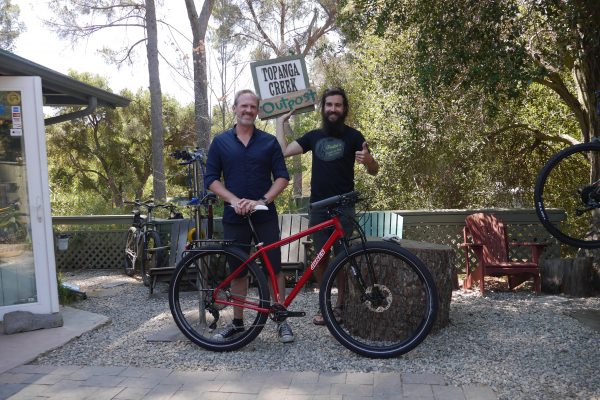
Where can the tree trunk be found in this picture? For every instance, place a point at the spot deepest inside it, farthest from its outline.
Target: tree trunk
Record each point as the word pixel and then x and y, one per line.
pixel 570 276
pixel 158 167
pixel 297 167
pixel 199 24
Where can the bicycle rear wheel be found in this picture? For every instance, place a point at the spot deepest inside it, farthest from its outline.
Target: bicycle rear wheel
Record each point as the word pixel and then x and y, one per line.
pixel 396 311
pixel 153 256
pixel 132 259
pixel 193 305
pixel 565 183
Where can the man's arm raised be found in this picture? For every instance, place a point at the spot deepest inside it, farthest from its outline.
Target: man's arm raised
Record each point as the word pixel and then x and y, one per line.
pixel 282 124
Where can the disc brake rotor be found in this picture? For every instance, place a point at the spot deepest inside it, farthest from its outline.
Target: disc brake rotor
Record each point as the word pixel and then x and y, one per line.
pixel 379 298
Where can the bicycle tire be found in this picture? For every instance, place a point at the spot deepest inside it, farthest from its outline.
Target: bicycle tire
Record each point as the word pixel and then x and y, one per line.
pixel 409 304
pixel 131 251
pixel 151 258
pixel 194 309
pixel 558 185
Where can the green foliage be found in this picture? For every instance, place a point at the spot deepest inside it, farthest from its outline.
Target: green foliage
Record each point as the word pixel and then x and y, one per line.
pixel 97 162
pixel 463 102
pixel 10 26
pixel 65 296
pixel 444 150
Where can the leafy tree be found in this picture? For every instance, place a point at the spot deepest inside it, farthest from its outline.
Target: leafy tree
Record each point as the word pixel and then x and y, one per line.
pixel 105 158
pixel 77 19
pixel 440 150
pixel 499 48
pixel 10 27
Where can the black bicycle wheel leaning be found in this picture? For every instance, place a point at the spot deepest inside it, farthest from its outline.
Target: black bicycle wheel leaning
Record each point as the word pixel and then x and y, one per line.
pixel 153 255
pixel 564 183
pixel 131 260
pixel 396 311
pixel 204 321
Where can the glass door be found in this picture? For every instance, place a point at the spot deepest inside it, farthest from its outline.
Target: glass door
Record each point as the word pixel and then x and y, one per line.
pixel 17 269
pixel 27 274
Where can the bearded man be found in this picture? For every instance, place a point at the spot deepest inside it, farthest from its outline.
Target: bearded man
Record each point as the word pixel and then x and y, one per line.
pixel 335 148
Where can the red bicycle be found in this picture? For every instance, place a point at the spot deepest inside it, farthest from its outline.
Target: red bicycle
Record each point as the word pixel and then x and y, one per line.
pixel 387 294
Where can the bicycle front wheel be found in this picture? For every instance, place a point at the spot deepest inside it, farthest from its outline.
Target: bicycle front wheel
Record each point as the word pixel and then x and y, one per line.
pixel 565 183
pixel 205 316
pixel 153 255
pixel 131 260
pixel 380 301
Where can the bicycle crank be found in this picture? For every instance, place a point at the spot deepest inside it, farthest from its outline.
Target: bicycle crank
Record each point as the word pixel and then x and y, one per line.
pixel 279 313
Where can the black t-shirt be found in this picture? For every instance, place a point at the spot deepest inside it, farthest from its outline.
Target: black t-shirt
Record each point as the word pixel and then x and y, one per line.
pixel 332 161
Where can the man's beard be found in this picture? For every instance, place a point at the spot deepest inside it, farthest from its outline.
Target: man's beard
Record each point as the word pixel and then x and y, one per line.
pixel 333 128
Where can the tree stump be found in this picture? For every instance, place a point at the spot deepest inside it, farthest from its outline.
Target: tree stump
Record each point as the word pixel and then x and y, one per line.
pixel 439 259
pixel 571 276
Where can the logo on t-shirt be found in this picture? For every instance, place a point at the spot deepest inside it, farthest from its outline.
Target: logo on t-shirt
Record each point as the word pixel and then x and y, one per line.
pixel 329 149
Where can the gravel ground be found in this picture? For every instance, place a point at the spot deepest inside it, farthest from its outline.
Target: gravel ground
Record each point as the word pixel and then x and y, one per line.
pixel 522 346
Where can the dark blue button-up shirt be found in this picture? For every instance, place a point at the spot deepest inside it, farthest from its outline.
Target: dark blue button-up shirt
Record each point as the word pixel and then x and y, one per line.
pixel 248 171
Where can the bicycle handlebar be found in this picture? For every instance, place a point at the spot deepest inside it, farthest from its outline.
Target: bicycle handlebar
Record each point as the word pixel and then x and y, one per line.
pixel 189 156
pixel 149 204
pixel 339 200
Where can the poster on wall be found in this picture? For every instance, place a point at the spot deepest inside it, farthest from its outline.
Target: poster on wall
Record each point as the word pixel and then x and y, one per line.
pixel 282 85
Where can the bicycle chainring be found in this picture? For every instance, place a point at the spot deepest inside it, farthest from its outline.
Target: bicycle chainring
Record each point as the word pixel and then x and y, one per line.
pixel 278 312
pixel 378 298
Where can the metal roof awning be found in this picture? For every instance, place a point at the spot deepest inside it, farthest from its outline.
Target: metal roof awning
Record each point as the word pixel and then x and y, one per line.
pixel 59 90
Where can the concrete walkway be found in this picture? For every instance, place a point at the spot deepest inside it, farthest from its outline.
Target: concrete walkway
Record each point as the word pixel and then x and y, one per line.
pixel 19 380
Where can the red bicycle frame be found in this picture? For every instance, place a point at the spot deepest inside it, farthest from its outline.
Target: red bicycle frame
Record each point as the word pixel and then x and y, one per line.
pixel 261 252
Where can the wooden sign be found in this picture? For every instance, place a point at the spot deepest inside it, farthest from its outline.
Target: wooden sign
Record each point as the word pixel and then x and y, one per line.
pixel 303 101
pixel 282 85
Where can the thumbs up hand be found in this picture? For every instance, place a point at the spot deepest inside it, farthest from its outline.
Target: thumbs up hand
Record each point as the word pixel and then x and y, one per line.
pixel 364 156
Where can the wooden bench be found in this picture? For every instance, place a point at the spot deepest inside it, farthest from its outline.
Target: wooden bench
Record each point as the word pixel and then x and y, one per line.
pixel 293 255
pixel 381 223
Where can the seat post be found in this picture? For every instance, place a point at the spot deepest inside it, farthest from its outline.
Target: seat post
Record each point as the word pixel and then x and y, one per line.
pixel 253 230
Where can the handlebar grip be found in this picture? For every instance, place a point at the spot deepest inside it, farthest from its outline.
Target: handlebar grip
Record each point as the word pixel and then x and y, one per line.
pixel 334 200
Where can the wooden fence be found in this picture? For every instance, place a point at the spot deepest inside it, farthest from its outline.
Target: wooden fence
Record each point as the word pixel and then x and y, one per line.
pixel 97 242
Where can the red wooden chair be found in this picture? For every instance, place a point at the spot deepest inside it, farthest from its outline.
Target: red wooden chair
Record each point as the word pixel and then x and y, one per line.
pixel 486 236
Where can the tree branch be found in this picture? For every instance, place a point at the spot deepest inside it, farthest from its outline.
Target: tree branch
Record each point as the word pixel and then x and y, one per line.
pixel 258 25
pixel 538 134
pixel 555 82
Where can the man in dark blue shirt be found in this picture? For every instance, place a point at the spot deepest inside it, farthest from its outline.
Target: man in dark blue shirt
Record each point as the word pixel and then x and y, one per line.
pixel 254 172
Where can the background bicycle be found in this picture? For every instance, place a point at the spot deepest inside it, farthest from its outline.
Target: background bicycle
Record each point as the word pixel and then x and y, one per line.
pixel 387 294
pixel 200 201
pixel 570 180
pixel 143 249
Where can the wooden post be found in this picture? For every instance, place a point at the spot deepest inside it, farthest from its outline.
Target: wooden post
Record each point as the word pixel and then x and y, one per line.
pixel 571 276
